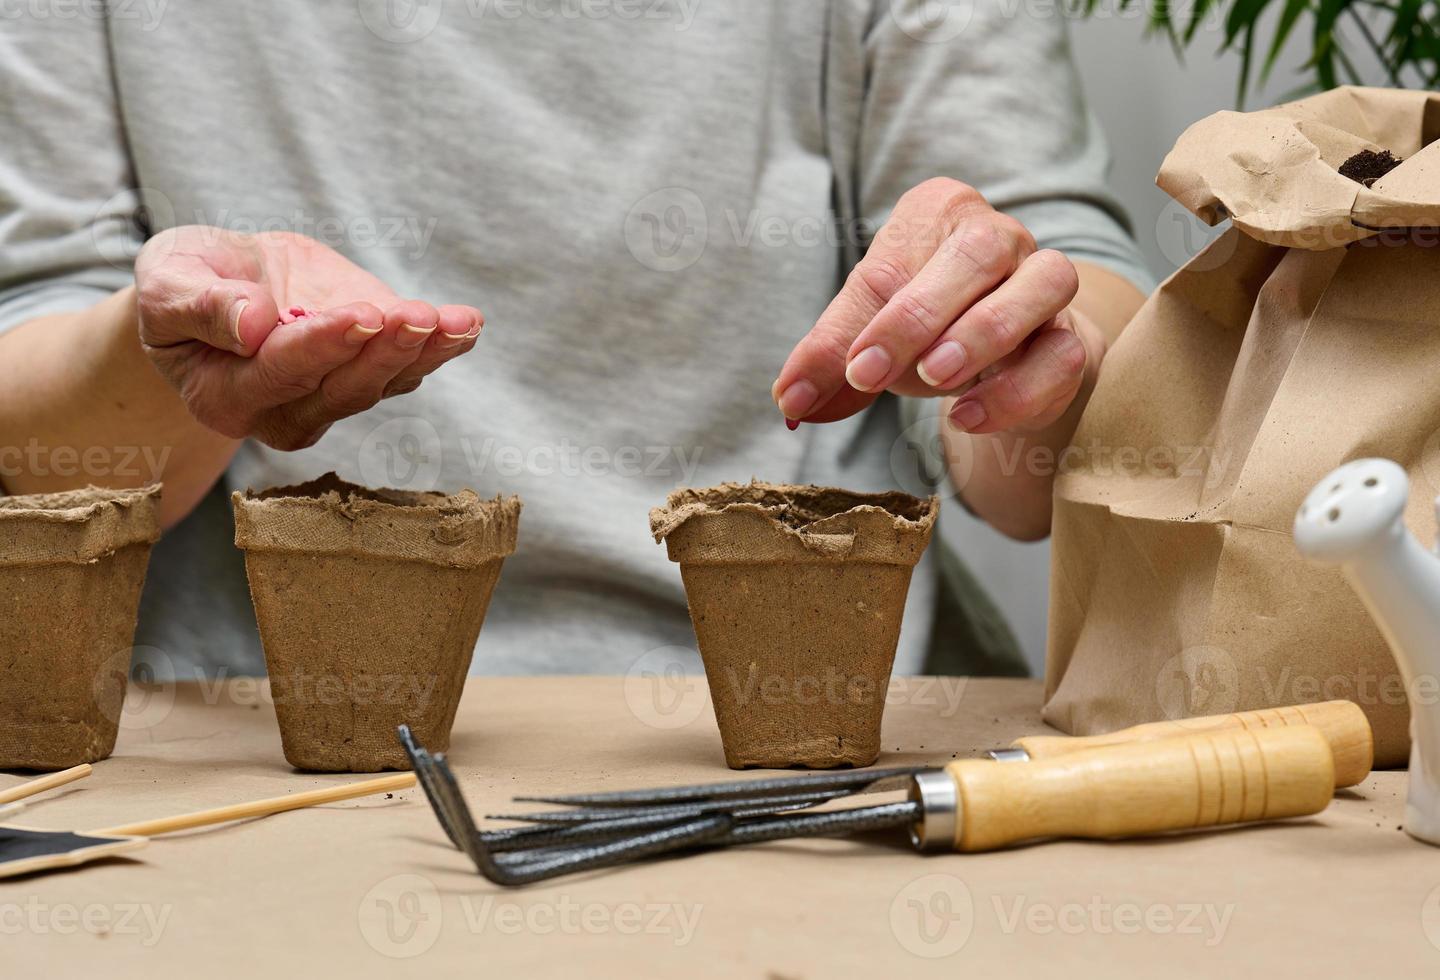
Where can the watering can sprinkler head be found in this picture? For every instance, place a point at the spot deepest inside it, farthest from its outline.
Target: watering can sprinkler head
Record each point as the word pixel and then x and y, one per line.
pixel 1355 517
pixel 1357 508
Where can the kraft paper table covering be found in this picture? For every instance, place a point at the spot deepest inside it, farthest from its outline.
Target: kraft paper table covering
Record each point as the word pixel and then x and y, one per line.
pixel 309 892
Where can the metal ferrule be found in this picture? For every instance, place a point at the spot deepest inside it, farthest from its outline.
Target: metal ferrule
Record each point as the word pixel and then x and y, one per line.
pixel 939 799
pixel 1010 755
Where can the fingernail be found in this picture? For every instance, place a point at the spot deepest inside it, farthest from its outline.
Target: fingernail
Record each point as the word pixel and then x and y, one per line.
pixel 968 415
pixel 235 314
pixel 792 424
pixel 798 399
pixel 941 364
pixel 412 336
pixel 447 340
pixel 868 368
pixel 359 333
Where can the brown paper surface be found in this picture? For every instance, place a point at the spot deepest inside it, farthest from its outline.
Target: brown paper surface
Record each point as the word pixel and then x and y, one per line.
pixel 371 888
pixel 1274 172
pixel 369 603
pixel 72 566
pixel 796 595
pixel 1256 369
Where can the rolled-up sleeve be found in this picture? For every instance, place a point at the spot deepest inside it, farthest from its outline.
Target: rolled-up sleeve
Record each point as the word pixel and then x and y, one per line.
pixel 68 201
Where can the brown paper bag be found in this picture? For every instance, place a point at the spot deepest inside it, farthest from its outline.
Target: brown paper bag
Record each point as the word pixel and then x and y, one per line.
pixel 1305 336
pixel 71 569
pixel 369 603
pixel 796 594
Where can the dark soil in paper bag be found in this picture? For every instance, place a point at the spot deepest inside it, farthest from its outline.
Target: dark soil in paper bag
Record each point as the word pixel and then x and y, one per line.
pixel 796 594
pixel 71 569
pixel 369 604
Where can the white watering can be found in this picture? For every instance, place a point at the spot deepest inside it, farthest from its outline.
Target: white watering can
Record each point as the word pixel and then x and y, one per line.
pixel 1355 518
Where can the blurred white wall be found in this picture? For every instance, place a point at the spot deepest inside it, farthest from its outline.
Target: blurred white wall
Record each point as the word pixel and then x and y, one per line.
pixel 1144 97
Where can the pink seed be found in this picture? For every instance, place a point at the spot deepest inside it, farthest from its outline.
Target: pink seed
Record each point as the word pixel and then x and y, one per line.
pixel 294 313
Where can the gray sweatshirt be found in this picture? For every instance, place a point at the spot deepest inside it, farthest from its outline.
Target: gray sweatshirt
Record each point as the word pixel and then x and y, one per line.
pixel 651 200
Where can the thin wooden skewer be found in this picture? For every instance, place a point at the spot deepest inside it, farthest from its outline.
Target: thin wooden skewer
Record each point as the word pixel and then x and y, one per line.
pixel 43 783
pixel 261 808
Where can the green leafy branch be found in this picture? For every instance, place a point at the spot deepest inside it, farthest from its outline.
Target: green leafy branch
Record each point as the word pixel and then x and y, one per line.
pixel 1401 36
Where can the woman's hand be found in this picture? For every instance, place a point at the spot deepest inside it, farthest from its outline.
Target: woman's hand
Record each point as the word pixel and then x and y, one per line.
pixel 952 297
pixel 210 304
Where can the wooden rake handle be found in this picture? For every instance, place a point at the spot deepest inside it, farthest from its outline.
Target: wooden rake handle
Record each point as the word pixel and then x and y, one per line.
pixel 261 808
pixel 1205 780
pixel 1342 723
pixel 40 785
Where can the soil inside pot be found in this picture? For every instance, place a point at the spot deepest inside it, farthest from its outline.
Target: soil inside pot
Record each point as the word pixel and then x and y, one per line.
pixel 1367 166
pixel 347 492
pixel 798 507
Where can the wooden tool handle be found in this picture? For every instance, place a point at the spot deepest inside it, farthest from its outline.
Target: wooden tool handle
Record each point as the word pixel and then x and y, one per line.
pixel 1200 780
pixel 1342 723
pixel 262 808
pixel 43 783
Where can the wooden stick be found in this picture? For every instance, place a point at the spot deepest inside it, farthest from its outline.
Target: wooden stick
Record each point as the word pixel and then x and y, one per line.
pixel 43 783
pixel 262 808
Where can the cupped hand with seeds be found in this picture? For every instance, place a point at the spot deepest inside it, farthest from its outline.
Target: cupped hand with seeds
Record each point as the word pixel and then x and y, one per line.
pixel 276 336
pixel 272 336
pixel 954 300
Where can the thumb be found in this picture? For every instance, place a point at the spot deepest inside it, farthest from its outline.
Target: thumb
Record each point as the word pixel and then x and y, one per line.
pixel 182 300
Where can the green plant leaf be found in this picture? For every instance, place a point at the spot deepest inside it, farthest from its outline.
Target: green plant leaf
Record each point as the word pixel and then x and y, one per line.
pixel 1403 35
pixel 1325 47
pixel 1197 17
pixel 1246 50
pixel 1288 18
pixel 1243 17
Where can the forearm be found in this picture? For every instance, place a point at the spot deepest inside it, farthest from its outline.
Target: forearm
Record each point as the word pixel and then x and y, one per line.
pixel 80 403
pixel 1008 478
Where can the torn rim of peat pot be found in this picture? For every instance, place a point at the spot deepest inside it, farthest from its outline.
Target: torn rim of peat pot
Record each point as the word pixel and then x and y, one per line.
pixel 76 526
pixel 765 522
pixel 72 566
pixel 331 515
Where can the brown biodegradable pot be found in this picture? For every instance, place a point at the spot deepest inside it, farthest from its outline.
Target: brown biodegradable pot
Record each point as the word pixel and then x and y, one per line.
pixel 71 569
pixel 369 603
pixel 796 594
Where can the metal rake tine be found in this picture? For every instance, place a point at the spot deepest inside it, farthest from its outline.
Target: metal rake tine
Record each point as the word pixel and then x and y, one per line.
pixel 422 763
pixel 843 781
pixel 566 835
pixel 519 838
pixel 445 798
pixel 542 861
pixel 474 845
pixel 677 811
pixel 567 818
pixel 829 823
pixel 744 806
pixel 522 868
pixel 456 809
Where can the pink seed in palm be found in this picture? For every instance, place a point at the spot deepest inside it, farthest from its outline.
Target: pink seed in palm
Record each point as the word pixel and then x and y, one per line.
pixel 295 313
